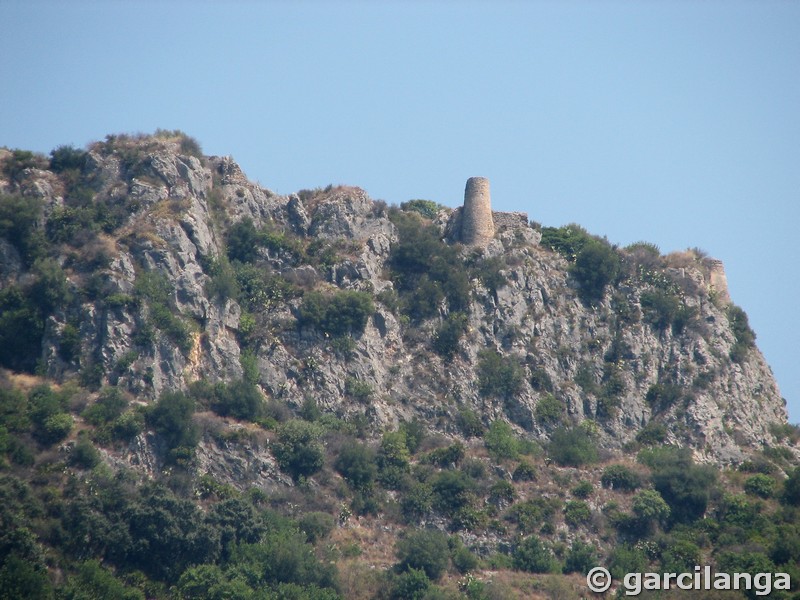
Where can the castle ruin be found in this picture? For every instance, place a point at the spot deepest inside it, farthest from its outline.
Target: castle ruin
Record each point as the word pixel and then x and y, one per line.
pixel 718 281
pixel 476 223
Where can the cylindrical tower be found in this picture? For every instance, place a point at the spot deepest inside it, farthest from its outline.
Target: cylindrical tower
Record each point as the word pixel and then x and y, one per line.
pixel 718 281
pixel 477 226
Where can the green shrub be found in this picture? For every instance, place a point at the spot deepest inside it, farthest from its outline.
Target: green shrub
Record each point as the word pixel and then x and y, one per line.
pixel 573 447
pixel 791 488
pixel 110 404
pixel 316 525
pixel 760 485
pixel 541 381
pixel 172 419
pixel 298 450
pixel 127 426
pixel 525 471
pixel 337 315
pixel 463 560
pixel 596 265
pixel 393 451
pixel 357 464
pixel 498 376
pixel 427 208
pixel 155 288
pixel 426 550
pixel 568 240
pixel 649 507
pixel 501 441
pixel 469 423
pixel 446 457
pixel 55 428
pixel 452 491
pixel 244 241
pixel 417 502
pixel 489 272
pixel 358 390
pixel 685 487
pixel 581 558
pixel 680 556
pixel 662 396
pixel 501 493
pixel 652 434
pixel 625 559
pixel 223 283
pixel 584 489
pixel 239 399
pixel 47 410
pixel 576 513
pixel 446 339
pixel 69 343
pixel 21 331
pixel 533 556
pixel 20 578
pixel 84 455
pixel 662 308
pixel 549 411
pixel 425 270
pixel 67 158
pixel 620 477
pixel 411 584
pixel 14 166
pixel 18 224
pixel 744 337
pixel 530 514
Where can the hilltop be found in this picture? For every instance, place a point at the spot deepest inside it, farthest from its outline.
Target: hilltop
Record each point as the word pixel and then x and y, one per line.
pixel 176 335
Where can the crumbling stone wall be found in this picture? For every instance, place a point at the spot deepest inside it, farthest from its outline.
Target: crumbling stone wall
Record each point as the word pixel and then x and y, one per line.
pixel 504 221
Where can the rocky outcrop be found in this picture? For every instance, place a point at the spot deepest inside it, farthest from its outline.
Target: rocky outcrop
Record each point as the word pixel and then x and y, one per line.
pixel 157 321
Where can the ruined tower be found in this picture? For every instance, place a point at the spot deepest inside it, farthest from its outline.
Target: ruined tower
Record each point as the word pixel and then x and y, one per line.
pixel 718 281
pixel 477 225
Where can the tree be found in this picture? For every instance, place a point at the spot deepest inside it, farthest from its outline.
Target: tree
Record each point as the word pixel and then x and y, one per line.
pixel 356 463
pixel 650 508
pixel 501 442
pixel 93 581
pixel 298 449
pixel 426 550
pixel 683 485
pixel 21 579
pixel 581 558
pixel 498 376
pixel 18 218
pixel 572 447
pixel 343 313
pixel 596 265
pixel 533 556
pixel 791 488
pixel 620 477
pixel 410 585
pixel 171 417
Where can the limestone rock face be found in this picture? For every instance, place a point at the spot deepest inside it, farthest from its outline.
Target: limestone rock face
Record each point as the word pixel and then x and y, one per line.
pixel 158 316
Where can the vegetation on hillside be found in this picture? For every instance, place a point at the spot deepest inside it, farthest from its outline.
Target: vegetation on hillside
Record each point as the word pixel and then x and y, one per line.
pixel 236 490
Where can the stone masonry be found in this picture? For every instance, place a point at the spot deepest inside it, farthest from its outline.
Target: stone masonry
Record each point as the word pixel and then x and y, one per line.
pixel 718 280
pixel 477 225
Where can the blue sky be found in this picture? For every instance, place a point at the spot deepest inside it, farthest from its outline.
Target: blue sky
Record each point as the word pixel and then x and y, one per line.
pixel 674 122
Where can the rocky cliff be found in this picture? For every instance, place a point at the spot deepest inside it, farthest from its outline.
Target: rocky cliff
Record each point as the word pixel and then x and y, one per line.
pixel 175 268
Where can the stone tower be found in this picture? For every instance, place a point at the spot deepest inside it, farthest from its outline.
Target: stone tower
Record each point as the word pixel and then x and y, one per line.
pixel 718 281
pixel 477 225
